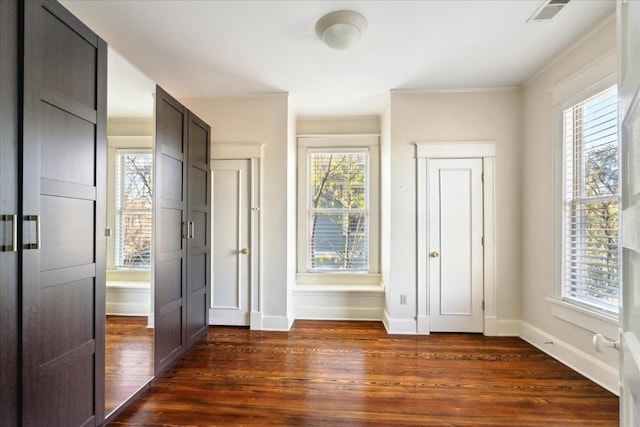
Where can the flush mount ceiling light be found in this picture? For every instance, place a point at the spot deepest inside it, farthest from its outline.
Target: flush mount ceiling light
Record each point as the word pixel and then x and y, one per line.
pixel 341 29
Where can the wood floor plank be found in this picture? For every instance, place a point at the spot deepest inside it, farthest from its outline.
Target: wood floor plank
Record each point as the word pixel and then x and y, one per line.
pixel 353 373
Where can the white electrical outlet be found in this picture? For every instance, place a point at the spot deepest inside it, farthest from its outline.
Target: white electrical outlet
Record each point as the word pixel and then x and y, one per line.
pixel 403 299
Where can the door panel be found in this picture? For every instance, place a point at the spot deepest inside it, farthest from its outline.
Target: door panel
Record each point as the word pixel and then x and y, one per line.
pixel 64 175
pixel 231 216
pixel 199 212
pixel 67 238
pixel 629 87
pixel 170 231
pixel 455 245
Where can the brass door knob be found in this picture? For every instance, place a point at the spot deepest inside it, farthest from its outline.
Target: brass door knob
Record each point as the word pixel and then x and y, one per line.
pixel 244 251
pixel 434 254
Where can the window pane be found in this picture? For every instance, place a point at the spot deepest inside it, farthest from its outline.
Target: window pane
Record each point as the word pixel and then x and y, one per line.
pixel 338 212
pixel 133 210
pixel 339 241
pixel 338 180
pixel 592 265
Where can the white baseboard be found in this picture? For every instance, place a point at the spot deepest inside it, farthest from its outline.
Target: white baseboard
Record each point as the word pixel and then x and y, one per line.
pixel 255 321
pixel 423 325
pixel 399 326
pixel 276 323
pixel 494 327
pixel 581 362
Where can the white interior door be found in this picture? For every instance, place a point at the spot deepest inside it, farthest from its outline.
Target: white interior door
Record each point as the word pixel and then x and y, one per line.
pixel 455 227
pixel 231 185
pixel 629 86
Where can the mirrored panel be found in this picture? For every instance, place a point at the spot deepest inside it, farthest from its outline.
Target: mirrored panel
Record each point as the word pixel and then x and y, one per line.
pixel 129 286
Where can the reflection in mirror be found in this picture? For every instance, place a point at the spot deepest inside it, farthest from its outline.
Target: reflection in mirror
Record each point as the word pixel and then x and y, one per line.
pixel 129 293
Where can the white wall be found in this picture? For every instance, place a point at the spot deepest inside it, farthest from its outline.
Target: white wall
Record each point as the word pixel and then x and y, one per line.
pixel 454 116
pixel 262 119
pixel 572 344
pixel 338 125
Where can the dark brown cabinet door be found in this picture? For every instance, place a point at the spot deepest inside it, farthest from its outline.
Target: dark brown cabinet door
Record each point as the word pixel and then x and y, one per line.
pixel 182 227
pixel 64 184
pixel 9 213
pixel 170 231
pixel 199 214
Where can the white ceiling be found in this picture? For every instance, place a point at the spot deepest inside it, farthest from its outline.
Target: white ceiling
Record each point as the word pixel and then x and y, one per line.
pixel 221 48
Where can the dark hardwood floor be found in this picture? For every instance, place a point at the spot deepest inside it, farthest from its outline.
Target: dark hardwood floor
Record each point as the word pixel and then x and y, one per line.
pixel 128 358
pixel 353 373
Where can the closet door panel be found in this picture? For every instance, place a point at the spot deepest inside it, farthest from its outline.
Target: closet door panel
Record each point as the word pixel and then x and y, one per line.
pixel 67 237
pixel 170 231
pixel 199 214
pixel 168 281
pixel 64 185
pixel 65 396
pixel 171 165
pixel 63 145
pixel 66 316
pixel 197 271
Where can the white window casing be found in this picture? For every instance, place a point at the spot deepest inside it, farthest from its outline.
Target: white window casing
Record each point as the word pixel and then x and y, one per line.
pixel 591 253
pixel 338 209
pixel 580 144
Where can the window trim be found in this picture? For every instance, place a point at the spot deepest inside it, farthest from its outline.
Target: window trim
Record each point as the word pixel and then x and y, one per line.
pixel 307 144
pixel 580 87
pixel 114 143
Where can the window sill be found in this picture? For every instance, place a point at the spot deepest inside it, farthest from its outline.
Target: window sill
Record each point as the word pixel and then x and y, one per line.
pixel 598 323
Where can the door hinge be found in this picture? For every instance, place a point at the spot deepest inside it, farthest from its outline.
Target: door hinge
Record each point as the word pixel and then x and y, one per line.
pixel 482 241
pixel 482 177
pixel 482 305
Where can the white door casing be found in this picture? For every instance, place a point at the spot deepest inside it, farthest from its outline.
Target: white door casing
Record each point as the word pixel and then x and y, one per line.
pixel 455 278
pixel 236 224
pixel 629 116
pixel 484 151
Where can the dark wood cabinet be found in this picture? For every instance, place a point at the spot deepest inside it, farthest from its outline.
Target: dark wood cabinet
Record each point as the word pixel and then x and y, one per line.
pixel 53 218
pixel 54 164
pixel 182 254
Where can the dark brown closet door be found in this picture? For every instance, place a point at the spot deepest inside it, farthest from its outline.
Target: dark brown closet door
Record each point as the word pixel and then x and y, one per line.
pixel 9 369
pixel 170 231
pixel 64 186
pixel 199 214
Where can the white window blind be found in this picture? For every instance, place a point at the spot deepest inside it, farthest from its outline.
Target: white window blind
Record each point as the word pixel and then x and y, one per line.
pixel 133 209
pixel 338 211
pixel 591 265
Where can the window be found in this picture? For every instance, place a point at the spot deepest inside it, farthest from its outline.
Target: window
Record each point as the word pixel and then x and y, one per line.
pixel 591 253
pixel 133 209
pixel 338 211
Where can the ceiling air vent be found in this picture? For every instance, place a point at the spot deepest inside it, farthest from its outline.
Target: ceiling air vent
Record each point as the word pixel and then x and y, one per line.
pixel 548 10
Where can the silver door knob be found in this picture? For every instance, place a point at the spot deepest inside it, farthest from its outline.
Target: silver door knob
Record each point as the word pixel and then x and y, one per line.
pixel 434 254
